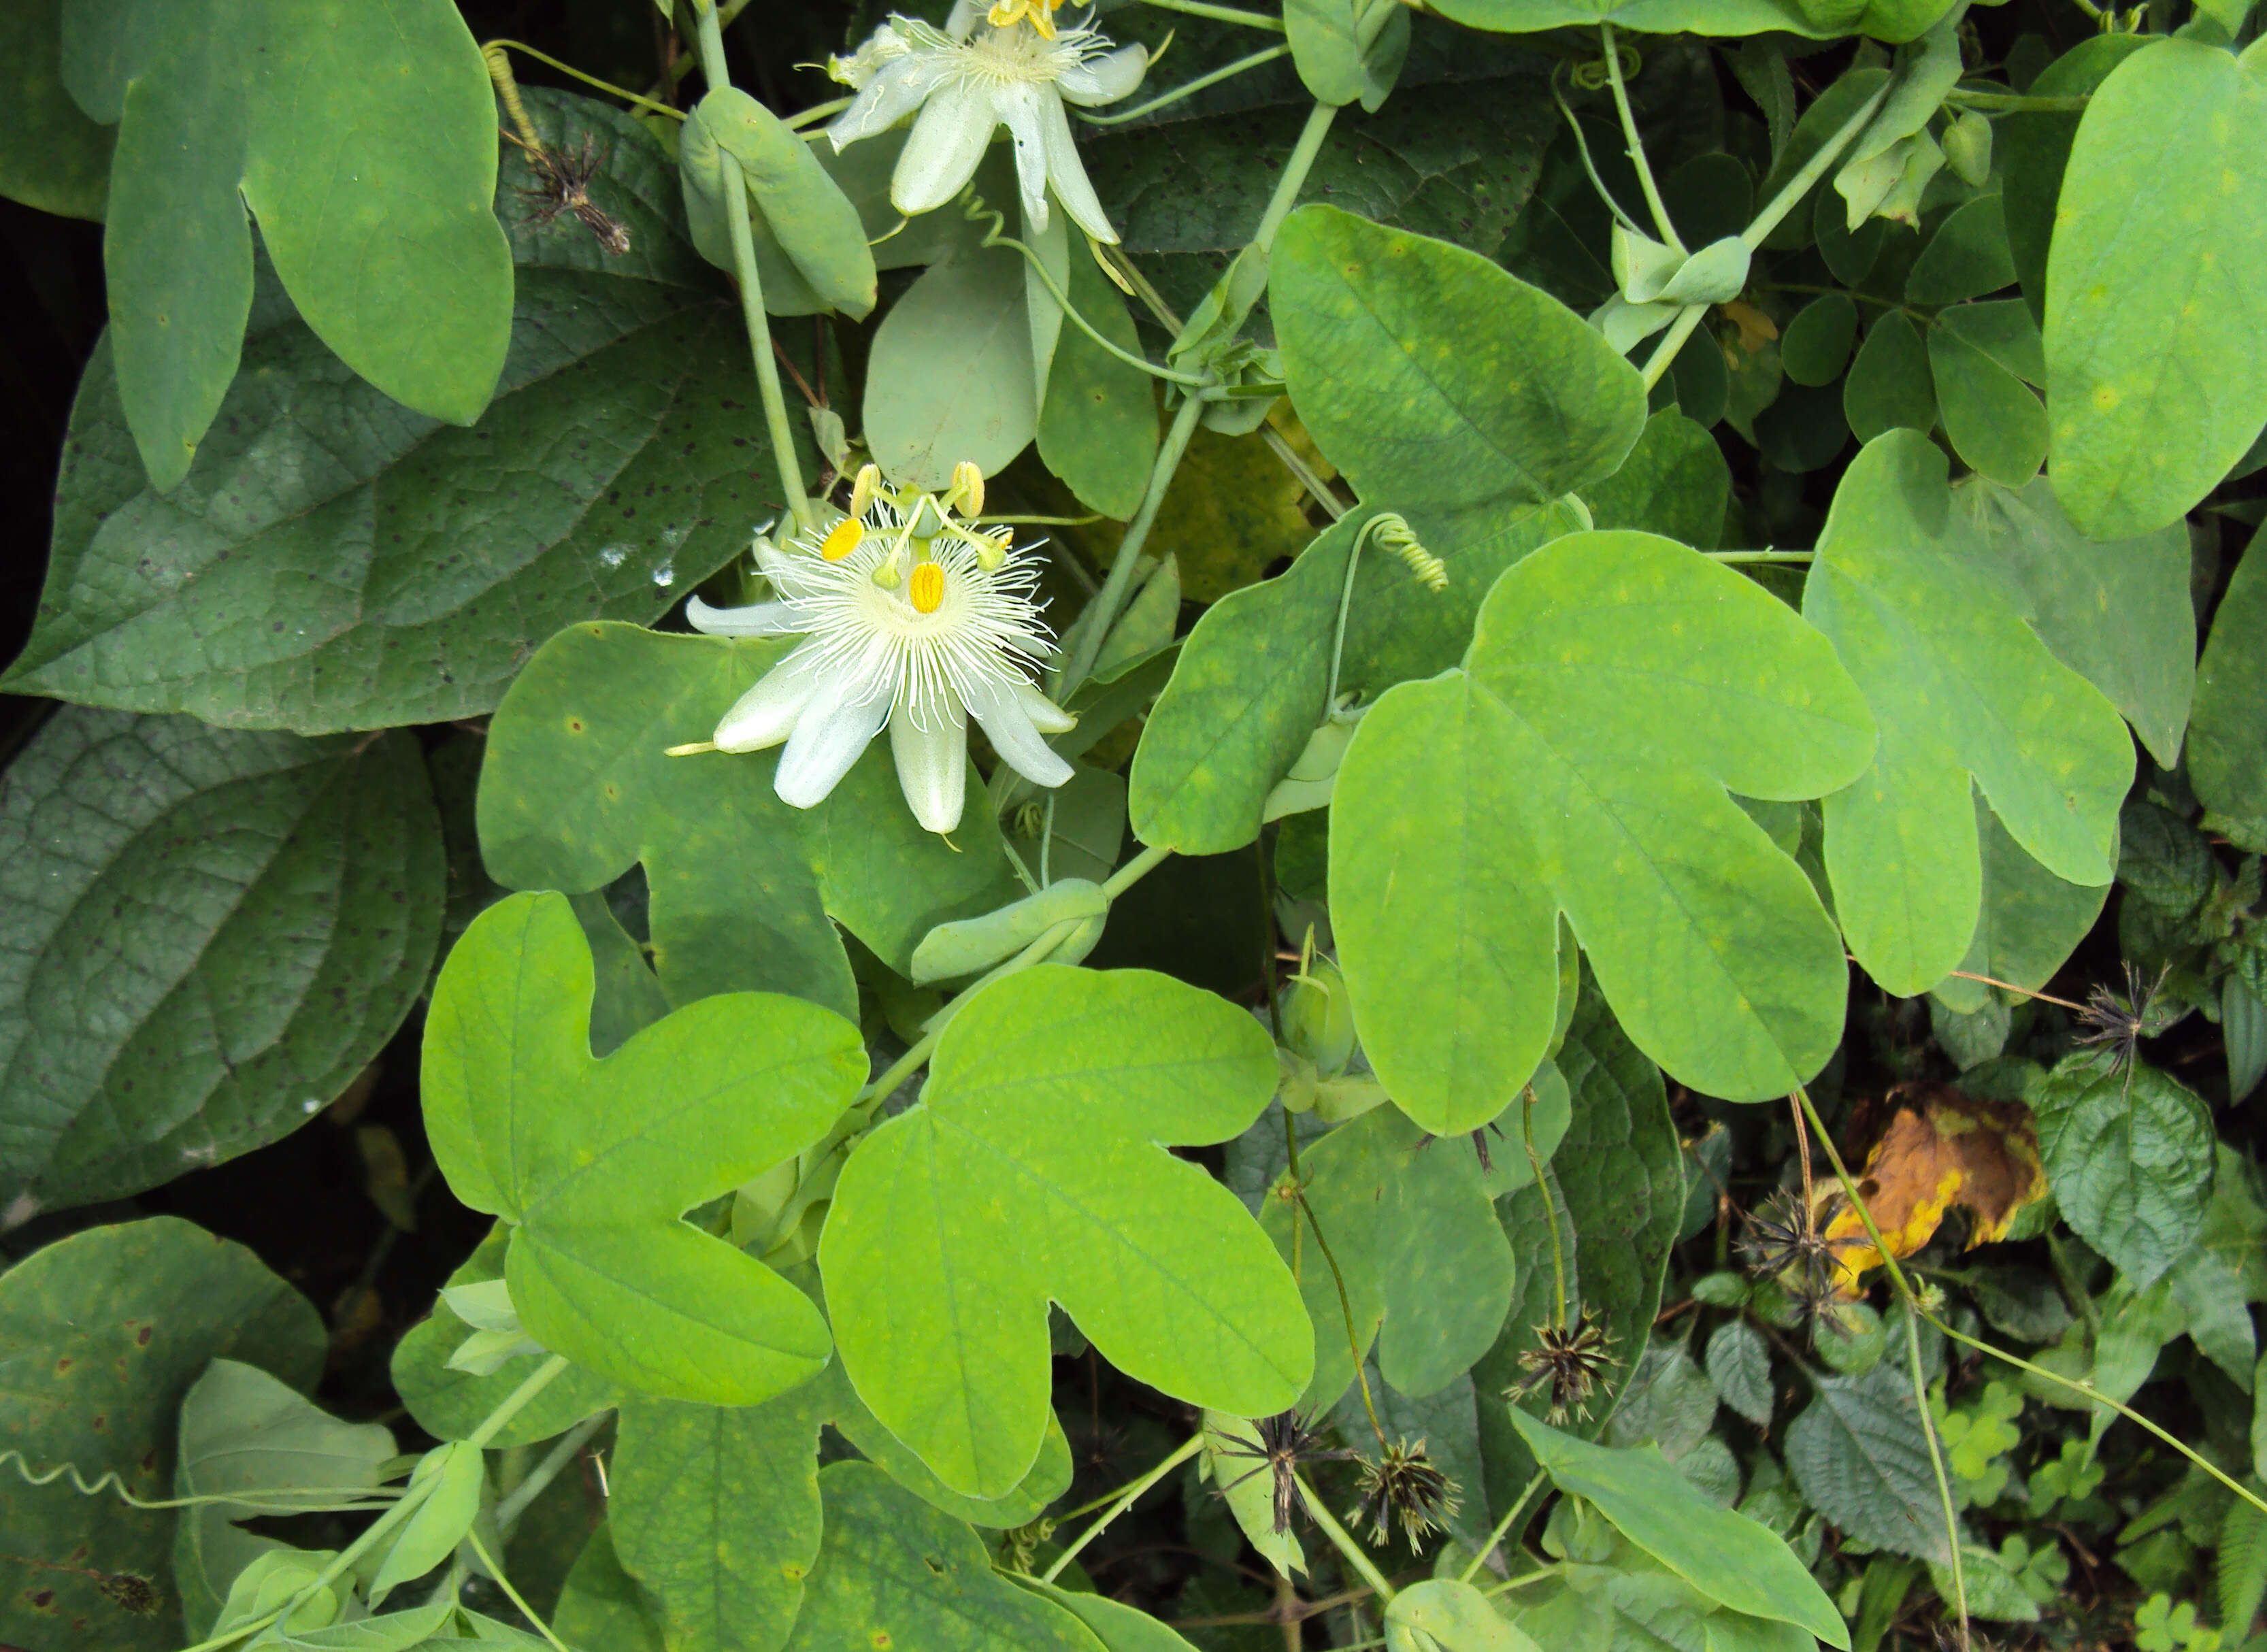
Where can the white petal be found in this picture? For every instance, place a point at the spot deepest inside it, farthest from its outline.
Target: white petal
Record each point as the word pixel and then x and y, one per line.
pixel 1107 78
pixel 932 763
pixel 1001 710
pixel 828 737
pixel 762 619
pixel 1069 176
pixel 966 14
pixel 942 155
pixel 1046 716
pixel 765 715
pixel 1024 110
pixel 896 91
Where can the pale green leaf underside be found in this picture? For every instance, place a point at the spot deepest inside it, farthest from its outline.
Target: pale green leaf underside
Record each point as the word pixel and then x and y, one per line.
pixel 1034 1168
pixel 1618 684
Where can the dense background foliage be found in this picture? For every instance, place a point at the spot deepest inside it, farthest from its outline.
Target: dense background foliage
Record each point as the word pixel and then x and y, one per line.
pixel 262 777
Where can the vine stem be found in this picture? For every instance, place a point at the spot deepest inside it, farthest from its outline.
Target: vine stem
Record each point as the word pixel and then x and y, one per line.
pixel 1736 558
pixel 1936 1465
pixel 1503 1527
pixel 1665 353
pixel 607 86
pixel 1799 185
pixel 1105 607
pixel 1345 1312
pixel 1550 1206
pixel 538 1379
pixel 1295 175
pixel 356 1499
pixel 978 210
pixel 1343 1541
pixel 2084 1391
pixel 1653 201
pixel 495 1571
pixel 514 1503
pixel 752 285
pixel 1127 1499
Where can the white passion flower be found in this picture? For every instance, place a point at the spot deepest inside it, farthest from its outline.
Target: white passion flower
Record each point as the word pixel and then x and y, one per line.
pixel 909 620
pixel 1011 64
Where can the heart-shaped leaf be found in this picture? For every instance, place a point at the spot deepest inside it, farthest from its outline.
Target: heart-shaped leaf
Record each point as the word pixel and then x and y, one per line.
pixel 1473 809
pixel 1909 592
pixel 1034 1168
pixel 595 1162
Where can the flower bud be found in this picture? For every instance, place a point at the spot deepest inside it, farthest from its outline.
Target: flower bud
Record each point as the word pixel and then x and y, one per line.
pixel 967 489
pixel 1318 1017
pixel 1968 148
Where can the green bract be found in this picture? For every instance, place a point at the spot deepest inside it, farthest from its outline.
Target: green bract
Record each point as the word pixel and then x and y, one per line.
pixel 596 1162
pixel 1477 807
pixel 1034 1167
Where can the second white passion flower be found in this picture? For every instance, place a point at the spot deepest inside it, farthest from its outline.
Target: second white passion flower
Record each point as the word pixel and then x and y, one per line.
pixel 1010 64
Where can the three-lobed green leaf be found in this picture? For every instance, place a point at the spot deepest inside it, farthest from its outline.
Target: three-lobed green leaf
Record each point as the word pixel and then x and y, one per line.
pixel 1474 808
pixel 1034 1168
pixel 596 1162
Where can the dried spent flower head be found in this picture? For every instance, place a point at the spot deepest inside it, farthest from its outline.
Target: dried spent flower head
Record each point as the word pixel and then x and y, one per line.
pixel 1784 1242
pixel 1571 1359
pixel 1280 1444
pixel 2117 1021
pixel 1402 1484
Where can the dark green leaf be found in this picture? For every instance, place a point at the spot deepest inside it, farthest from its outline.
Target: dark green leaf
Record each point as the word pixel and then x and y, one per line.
pixel 276 902
pixel 1434 378
pixel 1098 421
pixel 1740 1366
pixel 1859 1454
pixel 2228 736
pixel 1815 346
pixel 1888 384
pixel 336 562
pixel 1966 258
pixel 2129 1154
pixel 1991 417
pixel 1413 1230
pixel 101 1334
pixel 51 156
pixel 1674 484
pixel 716 1511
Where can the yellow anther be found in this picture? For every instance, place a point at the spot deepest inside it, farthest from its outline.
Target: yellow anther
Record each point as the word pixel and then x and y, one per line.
pixel 1041 12
pixel 841 539
pixel 927 588
pixel 968 489
pixel 868 481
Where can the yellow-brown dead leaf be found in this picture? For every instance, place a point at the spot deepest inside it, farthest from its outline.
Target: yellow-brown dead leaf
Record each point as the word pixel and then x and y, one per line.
pixel 1941 1149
